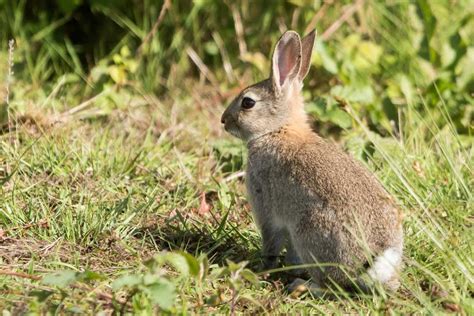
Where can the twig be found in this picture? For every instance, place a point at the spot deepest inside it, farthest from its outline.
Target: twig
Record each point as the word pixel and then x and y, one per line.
pixel 20 275
pixel 233 176
pixel 312 24
pixel 47 248
pixel 294 17
pixel 181 164
pixel 54 92
pixel 343 18
pixel 82 106
pixel 233 301
pixel 225 57
pixel 166 5
pixel 202 67
pixel 239 30
pixel 11 50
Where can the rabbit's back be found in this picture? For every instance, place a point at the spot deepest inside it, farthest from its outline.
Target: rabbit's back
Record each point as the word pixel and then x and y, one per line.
pixel 322 196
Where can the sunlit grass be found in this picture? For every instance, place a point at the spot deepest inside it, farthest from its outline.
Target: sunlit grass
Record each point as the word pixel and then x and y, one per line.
pixel 116 157
pixel 112 190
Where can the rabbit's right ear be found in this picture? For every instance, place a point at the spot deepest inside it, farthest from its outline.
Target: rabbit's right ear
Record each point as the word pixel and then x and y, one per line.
pixel 307 44
pixel 286 60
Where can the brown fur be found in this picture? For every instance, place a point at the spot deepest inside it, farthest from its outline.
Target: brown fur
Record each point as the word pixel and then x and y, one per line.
pixel 306 193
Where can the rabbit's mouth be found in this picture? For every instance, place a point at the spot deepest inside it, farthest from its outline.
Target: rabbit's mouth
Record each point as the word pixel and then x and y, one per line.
pixel 231 128
pixel 234 131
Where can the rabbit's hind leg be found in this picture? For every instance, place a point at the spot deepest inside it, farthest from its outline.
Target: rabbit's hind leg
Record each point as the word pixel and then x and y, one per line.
pixel 273 241
pixel 293 259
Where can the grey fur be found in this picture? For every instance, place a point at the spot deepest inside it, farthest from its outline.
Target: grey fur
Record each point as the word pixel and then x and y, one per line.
pixel 305 192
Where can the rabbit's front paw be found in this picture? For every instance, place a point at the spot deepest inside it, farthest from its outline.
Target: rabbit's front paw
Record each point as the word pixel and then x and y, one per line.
pixel 270 262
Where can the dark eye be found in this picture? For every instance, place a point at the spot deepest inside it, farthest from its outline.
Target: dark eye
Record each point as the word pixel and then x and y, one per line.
pixel 248 103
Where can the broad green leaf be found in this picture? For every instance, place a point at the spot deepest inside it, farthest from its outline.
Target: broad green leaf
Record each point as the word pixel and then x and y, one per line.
pixel 340 117
pixel 179 262
pixel 465 69
pixel 129 280
pixel 117 74
pixel 351 42
pixel 90 276
pixel 162 293
pixel 236 266
pixel 368 56
pixel 363 94
pixel 323 58
pixel 150 278
pixel 125 51
pixel 211 48
pixel 41 295
pixel 60 278
pixel 317 107
pixel 447 54
pixel 192 262
pixel 250 276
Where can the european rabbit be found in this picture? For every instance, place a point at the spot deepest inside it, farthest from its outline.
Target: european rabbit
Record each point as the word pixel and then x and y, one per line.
pixel 307 194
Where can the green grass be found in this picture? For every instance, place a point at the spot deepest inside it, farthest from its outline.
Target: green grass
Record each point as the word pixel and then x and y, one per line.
pixel 108 192
pixel 120 191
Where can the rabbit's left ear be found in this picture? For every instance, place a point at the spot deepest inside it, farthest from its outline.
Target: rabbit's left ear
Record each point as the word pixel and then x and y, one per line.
pixel 307 44
pixel 286 60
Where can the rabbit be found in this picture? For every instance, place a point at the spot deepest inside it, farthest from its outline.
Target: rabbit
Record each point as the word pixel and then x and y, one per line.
pixel 306 193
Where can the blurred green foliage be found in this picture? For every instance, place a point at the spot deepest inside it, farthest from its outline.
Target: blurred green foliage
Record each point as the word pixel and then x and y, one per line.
pixel 384 55
pixel 150 290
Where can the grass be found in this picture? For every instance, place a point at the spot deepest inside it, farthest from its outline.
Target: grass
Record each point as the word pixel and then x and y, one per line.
pixel 107 192
pixel 121 193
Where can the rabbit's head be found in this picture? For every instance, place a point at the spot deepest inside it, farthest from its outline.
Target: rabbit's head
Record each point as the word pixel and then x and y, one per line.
pixel 277 101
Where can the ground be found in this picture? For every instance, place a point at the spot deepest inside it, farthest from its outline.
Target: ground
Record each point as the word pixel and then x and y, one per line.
pixel 143 208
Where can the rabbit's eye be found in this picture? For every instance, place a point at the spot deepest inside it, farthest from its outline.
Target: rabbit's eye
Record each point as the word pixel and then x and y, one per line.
pixel 248 103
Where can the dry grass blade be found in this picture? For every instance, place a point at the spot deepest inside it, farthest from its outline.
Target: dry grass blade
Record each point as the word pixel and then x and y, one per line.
pixel 234 176
pixel 312 24
pixel 203 68
pixel 342 19
pixel 239 30
pixel 20 275
pixel 225 57
pixel 166 5
pixel 82 106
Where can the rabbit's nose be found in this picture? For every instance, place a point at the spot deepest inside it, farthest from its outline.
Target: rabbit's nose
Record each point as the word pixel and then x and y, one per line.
pixel 222 120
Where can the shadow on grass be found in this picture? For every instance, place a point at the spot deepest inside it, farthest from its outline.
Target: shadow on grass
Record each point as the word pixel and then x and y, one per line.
pixel 220 245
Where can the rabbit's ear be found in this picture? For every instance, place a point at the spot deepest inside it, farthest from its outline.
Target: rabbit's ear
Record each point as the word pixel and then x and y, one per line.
pixel 286 60
pixel 307 44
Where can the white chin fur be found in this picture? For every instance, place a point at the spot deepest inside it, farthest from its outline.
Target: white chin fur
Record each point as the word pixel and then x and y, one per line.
pixel 386 265
pixel 234 132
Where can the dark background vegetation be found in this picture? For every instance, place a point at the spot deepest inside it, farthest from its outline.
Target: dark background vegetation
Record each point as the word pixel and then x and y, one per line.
pixel 383 55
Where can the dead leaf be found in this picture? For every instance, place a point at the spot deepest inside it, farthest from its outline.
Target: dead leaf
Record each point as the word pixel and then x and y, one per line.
pixel 204 207
pixel 438 292
pixel 452 307
pixel 418 169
